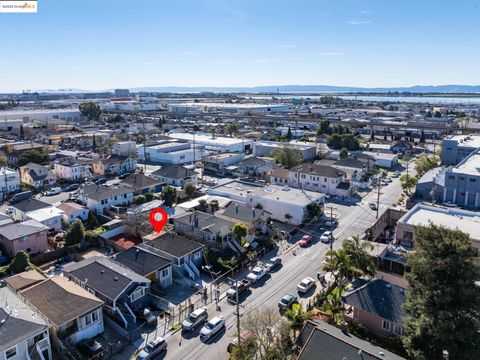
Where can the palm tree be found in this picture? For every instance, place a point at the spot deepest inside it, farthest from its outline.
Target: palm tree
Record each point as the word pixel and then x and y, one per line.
pixel 339 263
pixel 333 307
pixel 297 317
pixel 357 250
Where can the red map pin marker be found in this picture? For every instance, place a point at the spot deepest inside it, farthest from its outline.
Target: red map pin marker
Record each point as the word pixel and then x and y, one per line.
pixel 158 219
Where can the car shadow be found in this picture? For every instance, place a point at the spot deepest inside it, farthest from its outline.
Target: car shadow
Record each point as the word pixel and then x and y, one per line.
pixel 241 298
pixel 309 293
pixel 192 334
pixel 216 337
pixel 276 269
pixel 261 282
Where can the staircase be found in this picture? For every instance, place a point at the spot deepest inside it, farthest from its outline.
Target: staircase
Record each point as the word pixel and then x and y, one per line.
pixel 180 277
pixel 235 246
pixel 71 351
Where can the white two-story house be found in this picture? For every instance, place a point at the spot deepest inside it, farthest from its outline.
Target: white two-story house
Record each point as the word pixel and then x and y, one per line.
pixel 99 198
pixel 73 169
pixel 320 178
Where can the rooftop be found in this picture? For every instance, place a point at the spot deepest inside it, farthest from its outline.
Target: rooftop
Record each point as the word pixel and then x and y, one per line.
pixel 206 222
pixel 174 172
pixel 31 204
pixel 172 244
pixel 70 208
pixel 243 212
pixel 61 300
pixel 15 231
pixel 44 214
pixel 18 321
pixel 436 174
pixel 139 181
pixel 454 218
pixel 24 279
pixel 470 165
pixel 208 139
pixel 472 141
pixel 321 170
pixel 102 192
pixel 279 144
pixel 141 261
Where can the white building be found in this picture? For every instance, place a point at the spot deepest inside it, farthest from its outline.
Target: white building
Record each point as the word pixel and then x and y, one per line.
pixel 321 178
pixel 169 153
pixel 283 203
pixel 43 115
pixel 124 148
pixel 73 169
pixel 222 144
pixel 384 160
pixel 263 148
pixel 50 217
pixel 99 198
pixel 9 181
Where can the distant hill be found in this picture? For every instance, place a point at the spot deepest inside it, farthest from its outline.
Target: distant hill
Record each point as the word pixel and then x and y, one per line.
pixel 290 89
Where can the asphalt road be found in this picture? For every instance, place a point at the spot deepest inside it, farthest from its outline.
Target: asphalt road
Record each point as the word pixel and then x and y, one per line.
pixel 354 218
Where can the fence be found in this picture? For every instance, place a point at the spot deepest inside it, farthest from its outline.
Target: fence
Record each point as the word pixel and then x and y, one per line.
pixel 50 256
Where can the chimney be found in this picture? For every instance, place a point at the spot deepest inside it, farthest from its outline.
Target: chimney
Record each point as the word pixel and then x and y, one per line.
pixel 136 253
pixel 236 208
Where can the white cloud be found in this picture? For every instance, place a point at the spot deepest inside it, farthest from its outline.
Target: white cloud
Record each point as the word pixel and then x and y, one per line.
pixel 359 22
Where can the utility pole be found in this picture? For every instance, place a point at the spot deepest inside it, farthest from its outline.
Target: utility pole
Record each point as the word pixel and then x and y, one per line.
pixel 144 141
pixel 331 226
pixel 378 196
pixel 238 320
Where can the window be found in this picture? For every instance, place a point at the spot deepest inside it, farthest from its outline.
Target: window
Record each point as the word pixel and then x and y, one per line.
pixel 165 272
pixel 397 329
pixel 473 180
pixel 325 179
pixel 462 178
pixel 385 325
pixel 137 294
pixel 88 319
pixel 95 316
pixel 197 256
pixel 11 352
pixel 451 177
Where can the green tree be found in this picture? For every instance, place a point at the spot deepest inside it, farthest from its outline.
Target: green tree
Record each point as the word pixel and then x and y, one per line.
pixel 348 141
pixel 34 156
pixel 22 132
pixel 358 252
pixel 289 134
pixel 214 205
pixel 202 205
pixel 148 196
pixel 288 157
pixel 324 128
pixel 425 163
pixel 443 300
pixel 189 189
pixel 240 232
pixel 408 182
pixel 169 195
pixel 139 199
pixel 297 317
pixel 231 129
pixel 75 233
pixel 372 136
pixel 314 210
pixel 20 262
pixel 343 153
pixel 92 220
pixel 422 137
pixel 90 110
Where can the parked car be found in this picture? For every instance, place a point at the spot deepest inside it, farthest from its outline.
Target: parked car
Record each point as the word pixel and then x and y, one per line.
pixel 287 301
pixel 90 348
pixel 242 287
pixel 305 240
pixel 101 181
pixel 331 223
pixel 194 319
pixel 305 285
pixel 24 195
pixel 257 273
pixel 53 191
pixel 124 176
pixel 147 316
pixel 212 327
pixel 273 263
pixel 372 205
pixel 153 349
pixel 71 187
pixel 388 180
pixel 396 174
pixel 73 195
pixel 326 237
pixel 246 336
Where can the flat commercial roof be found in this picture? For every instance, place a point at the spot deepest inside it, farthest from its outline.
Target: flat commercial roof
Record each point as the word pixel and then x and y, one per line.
pixel 472 141
pixel 470 165
pixel 207 138
pixel 453 218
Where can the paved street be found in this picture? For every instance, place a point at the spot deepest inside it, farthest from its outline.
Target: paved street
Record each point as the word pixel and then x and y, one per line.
pixel 353 219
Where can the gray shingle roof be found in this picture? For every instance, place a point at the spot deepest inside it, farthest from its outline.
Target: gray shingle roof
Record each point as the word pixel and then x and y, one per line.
pixel 174 172
pixel 174 245
pixel 204 221
pixel 141 261
pixel 30 205
pixel 17 320
pixel 102 192
pixel 351 162
pixel 243 212
pixel 320 170
pixel 17 230
pixel 380 298
pixel 104 275
pixel 139 182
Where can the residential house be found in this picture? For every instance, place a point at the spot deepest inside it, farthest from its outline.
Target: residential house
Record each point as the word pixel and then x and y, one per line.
pixel 148 264
pixel 121 289
pixel 73 312
pixel 51 217
pixel 73 169
pixel 124 148
pixel 141 184
pixel 114 165
pixel 14 150
pixel 401 147
pixel 256 219
pixel 100 198
pixel 37 176
pixel 377 305
pixel 462 182
pixel 321 341
pixel 265 148
pixel 19 210
pixel 279 176
pixel 383 148
pixel 23 331
pixel 29 236
pixel 73 211
pixel 381 159
pixel 9 182
pixel 431 183
pixel 184 254
pixel 320 178
pixel 255 166
pixel 458 147
pixel 24 280
pixel 355 169
pixel 207 228
pixel 175 175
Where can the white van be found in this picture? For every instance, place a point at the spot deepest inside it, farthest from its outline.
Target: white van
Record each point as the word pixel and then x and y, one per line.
pixel 54 191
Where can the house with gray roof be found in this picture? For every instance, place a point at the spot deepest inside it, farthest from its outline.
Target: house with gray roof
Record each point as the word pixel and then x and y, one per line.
pixel 141 184
pixel 29 236
pixel 377 305
pixel 121 289
pixel 100 198
pixel 254 218
pixel 175 175
pixel 321 341
pixel 23 330
pixel 320 178
pixel 37 176
pixel 433 179
pixel 114 165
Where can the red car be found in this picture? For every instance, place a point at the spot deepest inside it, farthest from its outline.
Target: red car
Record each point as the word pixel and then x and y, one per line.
pixel 305 240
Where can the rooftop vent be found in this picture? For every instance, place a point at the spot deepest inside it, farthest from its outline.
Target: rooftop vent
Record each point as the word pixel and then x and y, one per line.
pixel 102 271
pixel 115 278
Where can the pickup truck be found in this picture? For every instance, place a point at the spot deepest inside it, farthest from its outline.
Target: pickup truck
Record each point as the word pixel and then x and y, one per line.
pixel 242 286
pixel 257 273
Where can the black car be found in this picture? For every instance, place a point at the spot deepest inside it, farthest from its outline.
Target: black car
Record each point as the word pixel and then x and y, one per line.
pixel 101 181
pixel 124 176
pixel 71 187
pixel 90 348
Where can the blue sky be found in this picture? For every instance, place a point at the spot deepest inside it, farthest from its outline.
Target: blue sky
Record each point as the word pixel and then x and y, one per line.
pixel 100 44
